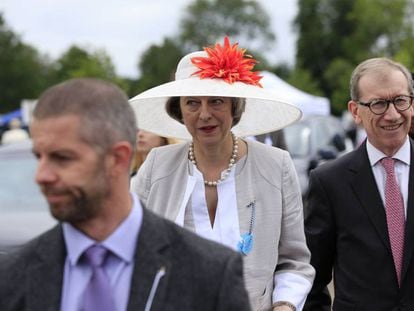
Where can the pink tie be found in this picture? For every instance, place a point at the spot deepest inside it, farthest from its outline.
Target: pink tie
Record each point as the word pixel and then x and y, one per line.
pixel 394 207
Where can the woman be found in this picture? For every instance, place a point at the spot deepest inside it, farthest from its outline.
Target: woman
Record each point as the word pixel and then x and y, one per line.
pixel 145 142
pixel 240 193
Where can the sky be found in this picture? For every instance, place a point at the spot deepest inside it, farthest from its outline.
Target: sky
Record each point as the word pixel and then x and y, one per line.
pixel 124 28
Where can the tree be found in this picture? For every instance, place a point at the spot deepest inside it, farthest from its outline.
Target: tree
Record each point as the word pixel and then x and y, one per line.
pixel 208 21
pixel 24 72
pixel 77 62
pixel 334 36
pixel 302 79
pixel 157 65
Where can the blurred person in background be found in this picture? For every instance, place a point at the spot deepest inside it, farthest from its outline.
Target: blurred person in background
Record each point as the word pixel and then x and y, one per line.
pixel 145 142
pixel 15 133
pixel 275 139
pixel 359 220
pixel 411 132
pixel 241 193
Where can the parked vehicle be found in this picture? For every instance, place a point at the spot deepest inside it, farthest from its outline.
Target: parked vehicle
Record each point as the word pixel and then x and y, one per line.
pixel 314 140
pixel 24 212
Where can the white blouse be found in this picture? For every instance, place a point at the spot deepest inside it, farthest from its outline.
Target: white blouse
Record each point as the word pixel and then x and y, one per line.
pixel 225 229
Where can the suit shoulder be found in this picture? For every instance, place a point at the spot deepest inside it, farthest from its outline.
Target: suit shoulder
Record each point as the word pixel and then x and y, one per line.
pixel 341 162
pixel 270 162
pixel 25 254
pixel 165 160
pixel 335 167
pixel 14 267
pixel 263 150
pixel 266 158
pixel 174 150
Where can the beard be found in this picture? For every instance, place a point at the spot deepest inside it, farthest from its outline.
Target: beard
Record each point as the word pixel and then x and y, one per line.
pixel 79 203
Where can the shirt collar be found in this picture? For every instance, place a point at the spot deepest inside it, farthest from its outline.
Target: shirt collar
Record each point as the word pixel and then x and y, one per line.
pixel 403 154
pixel 122 242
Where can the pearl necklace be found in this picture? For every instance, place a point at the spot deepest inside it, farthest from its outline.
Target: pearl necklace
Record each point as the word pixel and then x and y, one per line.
pixel 233 157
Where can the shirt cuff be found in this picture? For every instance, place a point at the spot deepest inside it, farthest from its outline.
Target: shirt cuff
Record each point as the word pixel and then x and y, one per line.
pixel 291 287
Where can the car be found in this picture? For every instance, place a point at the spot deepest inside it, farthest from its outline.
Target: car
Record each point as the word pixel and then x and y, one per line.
pixel 314 140
pixel 24 211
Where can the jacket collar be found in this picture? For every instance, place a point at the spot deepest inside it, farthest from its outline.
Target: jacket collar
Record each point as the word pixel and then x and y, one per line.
pixel 152 263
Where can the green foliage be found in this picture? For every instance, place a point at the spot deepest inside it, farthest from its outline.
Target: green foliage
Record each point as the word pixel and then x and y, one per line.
pixel 77 62
pixel 302 79
pixel 405 55
pixel 208 21
pixel 282 70
pixel 380 28
pixel 322 27
pixel 24 72
pixel 157 65
pixel 337 76
pixel 334 36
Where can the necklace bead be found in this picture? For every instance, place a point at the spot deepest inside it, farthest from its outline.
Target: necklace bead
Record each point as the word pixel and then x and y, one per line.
pixel 232 160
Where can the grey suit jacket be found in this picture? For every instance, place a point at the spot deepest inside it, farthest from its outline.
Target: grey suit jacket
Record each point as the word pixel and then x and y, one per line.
pixel 267 178
pixel 200 275
pixel 346 230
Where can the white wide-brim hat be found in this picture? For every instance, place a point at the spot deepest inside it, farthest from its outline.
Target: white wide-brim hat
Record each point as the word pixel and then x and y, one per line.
pixel 264 112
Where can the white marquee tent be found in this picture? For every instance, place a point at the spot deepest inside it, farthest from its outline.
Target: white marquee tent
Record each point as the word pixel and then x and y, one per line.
pixel 309 104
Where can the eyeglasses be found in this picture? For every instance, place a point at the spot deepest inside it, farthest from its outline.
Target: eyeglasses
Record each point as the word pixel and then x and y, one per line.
pixel 380 106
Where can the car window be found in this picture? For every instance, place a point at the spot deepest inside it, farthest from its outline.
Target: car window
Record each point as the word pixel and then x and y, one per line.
pixel 18 190
pixel 324 130
pixel 323 133
pixel 297 138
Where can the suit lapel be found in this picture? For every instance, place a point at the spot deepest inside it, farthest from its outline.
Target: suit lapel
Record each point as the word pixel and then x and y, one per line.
pixel 409 226
pixel 45 272
pixel 366 191
pixel 149 260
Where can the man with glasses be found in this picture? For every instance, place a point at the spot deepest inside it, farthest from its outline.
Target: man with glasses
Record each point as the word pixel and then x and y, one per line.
pixel 359 220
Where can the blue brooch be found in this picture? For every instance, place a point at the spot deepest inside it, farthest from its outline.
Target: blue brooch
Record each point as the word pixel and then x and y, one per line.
pixel 245 244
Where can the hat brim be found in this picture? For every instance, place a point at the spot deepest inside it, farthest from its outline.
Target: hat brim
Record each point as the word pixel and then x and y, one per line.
pixel 264 112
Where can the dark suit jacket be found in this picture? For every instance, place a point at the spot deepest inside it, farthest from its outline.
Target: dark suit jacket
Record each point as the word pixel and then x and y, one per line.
pixel 200 275
pixel 345 225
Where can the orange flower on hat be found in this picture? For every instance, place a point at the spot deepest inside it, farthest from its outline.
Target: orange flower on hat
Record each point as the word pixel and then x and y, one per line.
pixel 227 62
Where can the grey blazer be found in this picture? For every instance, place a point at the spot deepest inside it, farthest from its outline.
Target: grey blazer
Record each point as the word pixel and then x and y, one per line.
pixel 267 177
pixel 200 275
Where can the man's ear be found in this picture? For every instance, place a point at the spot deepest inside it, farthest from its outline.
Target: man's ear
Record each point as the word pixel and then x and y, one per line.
pixel 353 108
pixel 119 158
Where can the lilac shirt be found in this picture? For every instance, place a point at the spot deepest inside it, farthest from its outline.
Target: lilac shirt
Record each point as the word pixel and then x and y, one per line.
pixel 119 267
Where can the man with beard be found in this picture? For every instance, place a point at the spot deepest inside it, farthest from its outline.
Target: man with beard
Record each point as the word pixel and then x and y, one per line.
pixel 108 252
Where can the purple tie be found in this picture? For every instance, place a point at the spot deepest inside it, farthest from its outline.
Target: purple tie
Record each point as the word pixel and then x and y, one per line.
pixel 394 207
pixel 98 293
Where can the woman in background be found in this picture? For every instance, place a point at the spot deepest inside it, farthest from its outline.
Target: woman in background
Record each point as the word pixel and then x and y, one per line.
pixel 145 142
